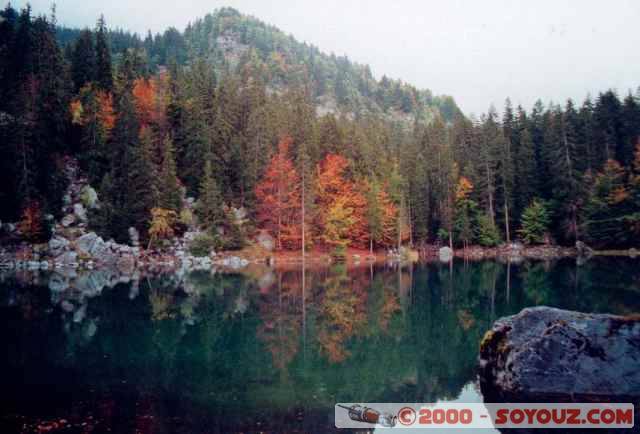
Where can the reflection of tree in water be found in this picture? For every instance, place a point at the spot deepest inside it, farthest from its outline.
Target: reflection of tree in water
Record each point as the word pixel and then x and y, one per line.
pixel 280 310
pixel 200 348
pixel 342 314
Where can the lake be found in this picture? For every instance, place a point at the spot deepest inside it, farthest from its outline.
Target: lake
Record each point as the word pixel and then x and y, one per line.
pixel 265 350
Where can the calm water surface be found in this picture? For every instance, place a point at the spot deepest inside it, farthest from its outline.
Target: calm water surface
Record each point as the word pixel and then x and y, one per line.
pixel 266 350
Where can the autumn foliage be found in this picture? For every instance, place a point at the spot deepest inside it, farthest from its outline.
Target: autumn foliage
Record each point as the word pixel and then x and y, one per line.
pixel 93 105
pixel 342 207
pixel 151 100
pixel 106 114
pixel 279 199
pixel 161 224
pixel 31 222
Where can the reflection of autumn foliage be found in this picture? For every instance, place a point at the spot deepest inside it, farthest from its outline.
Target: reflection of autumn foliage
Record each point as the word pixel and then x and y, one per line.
pixel 466 319
pixel 342 316
pixel 390 307
pixel 161 304
pixel 280 310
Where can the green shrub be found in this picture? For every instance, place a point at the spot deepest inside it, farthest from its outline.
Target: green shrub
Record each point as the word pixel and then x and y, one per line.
pixel 234 238
pixel 487 233
pixel 535 222
pixel 203 244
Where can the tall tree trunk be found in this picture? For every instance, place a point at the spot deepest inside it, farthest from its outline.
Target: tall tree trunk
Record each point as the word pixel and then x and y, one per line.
pixel 490 193
pixel 303 218
pixel 506 220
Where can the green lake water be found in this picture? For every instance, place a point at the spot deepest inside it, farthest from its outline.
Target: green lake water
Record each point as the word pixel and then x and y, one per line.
pixel 265 350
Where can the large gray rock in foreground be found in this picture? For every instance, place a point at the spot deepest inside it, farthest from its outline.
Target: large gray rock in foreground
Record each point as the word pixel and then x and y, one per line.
pixel 547 354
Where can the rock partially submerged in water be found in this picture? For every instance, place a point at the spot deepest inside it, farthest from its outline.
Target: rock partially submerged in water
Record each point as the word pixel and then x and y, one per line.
pixel 547 354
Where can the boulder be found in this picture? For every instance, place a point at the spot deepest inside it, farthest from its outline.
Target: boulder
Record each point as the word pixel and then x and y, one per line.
pixel 89 197
pixel 68 259
pixel 134 236
pixel 234 262
pixel 101 252
pixel 57 245
pixel 80 212
pixel 583 249
pixel 445 254
pixel 266 241
pixel 86 243
pixel 546 354
pixel 68 220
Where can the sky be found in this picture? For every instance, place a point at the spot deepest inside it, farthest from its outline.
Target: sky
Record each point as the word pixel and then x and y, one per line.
pixel 480 52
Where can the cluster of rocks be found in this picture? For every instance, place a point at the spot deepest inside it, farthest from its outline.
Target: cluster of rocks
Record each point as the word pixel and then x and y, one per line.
pixel 511 251
pixel 73 246
pixel 91 250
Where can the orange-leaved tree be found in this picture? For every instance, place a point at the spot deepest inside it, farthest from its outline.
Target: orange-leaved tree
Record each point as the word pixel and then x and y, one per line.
pixel 337 195
pixel 151 100
pixel 278 194
pixel 30 224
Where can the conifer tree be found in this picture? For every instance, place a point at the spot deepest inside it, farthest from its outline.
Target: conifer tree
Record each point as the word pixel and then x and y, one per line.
pixel 104 73
pixel 83 60
pixel 210 208
pixel 169 194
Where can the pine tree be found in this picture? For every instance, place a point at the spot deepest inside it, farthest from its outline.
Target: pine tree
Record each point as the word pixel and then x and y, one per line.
pixel 169 192
pixel 83 60
pixel 210 208
pixel 525 180
pixel 104 73
pixel 535 222
pixel 141 192
pixel 465 212
pixel 609 203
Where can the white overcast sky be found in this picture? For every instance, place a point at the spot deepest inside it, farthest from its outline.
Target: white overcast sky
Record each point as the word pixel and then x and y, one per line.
pixel 478 51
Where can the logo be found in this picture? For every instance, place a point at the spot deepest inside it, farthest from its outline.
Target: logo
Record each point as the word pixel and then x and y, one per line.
pixel 407 416
pixel 477 415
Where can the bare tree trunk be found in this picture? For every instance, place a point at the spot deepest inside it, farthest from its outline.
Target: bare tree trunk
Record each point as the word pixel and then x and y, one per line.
pixel 506 220
pixel 508 280
pixel 490 193
pixel 303 218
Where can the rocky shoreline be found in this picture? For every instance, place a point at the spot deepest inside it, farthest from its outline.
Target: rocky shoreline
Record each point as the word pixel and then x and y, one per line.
pixel 73 246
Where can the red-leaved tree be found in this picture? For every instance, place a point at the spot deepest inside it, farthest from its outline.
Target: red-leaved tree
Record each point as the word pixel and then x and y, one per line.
pixel 278 194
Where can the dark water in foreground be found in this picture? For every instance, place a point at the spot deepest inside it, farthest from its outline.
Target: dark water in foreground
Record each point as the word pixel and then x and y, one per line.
pixel 260 351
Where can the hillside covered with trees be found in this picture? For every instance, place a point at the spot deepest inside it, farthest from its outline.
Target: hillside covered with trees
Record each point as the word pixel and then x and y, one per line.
pixel 234 113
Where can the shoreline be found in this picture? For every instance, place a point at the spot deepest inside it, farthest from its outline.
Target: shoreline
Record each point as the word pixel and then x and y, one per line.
pixel 36 257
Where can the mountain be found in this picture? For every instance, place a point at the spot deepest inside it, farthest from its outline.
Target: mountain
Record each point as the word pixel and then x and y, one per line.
pixel 237 43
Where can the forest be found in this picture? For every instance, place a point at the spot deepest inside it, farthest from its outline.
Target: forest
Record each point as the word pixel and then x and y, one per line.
pixel 234 113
